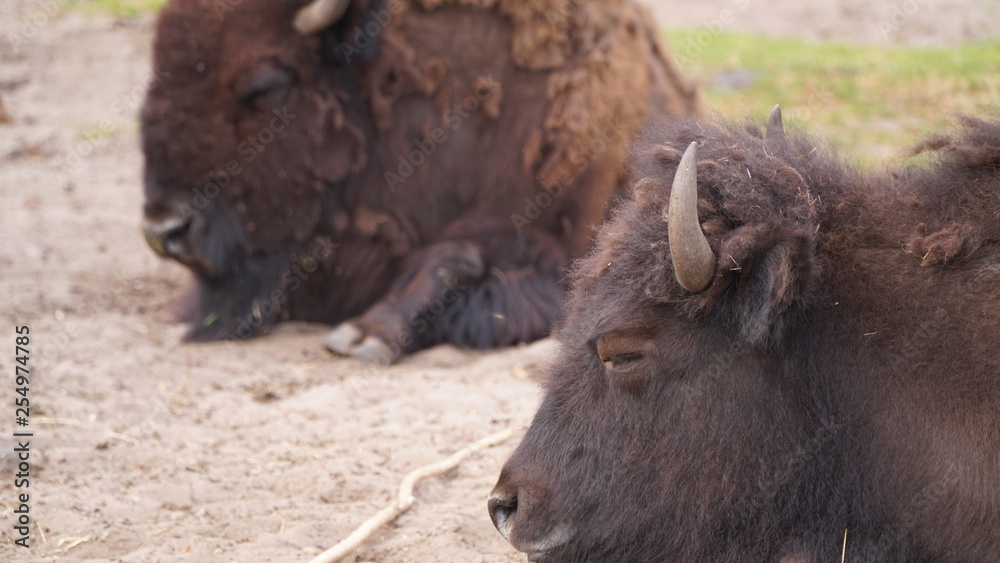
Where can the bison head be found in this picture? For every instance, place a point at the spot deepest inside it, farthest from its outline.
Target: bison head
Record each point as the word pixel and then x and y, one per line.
pixel 670 423
pixel 244 130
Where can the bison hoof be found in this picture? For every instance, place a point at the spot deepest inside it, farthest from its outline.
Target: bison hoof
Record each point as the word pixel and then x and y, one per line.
pixel 344 338
pixel 349 340
pixel 373 350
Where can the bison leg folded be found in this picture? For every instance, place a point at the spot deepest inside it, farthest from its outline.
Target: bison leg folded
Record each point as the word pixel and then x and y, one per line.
pixel 453 292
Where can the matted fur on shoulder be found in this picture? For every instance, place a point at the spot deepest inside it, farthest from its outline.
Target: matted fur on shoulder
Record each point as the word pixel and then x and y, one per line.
pixel 977 143
pixel 959 193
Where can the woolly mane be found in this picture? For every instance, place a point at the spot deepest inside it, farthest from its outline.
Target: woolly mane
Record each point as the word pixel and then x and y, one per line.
pixel 938 212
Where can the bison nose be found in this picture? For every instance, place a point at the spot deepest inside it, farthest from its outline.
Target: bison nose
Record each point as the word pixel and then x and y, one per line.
pixel 502 508
pixel 163 236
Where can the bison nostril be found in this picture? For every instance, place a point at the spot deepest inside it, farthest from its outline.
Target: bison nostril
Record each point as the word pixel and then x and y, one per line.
pixel 159 234
pixel 502 509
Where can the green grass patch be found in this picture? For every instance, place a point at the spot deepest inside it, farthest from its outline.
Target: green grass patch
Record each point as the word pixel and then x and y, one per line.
pixel 119 8
pixel 870 102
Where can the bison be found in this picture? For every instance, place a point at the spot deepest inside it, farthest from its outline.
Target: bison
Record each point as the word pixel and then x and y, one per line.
pixel 417 171
pixel 770 356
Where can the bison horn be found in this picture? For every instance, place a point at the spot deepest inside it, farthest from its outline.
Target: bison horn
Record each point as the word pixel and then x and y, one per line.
pixel 775 133
pixel 319 14
pixel 694 263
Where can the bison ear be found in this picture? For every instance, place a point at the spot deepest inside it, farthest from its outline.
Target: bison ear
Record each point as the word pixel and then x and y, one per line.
pixel 766 273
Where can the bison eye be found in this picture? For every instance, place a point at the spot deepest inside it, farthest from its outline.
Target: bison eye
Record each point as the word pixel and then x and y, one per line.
pixel 622 360
pixel 621 350
pixel 623 353
pixel 264 85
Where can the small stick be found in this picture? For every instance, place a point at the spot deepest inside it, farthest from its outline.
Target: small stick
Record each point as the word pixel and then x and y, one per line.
pixel 41 531
pixel 843 553
pixel 404 498
pixel 51 420
pixel 4 116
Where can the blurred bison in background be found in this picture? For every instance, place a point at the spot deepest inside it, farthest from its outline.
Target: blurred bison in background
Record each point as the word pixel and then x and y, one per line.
pixel 425 168
pixel 772 353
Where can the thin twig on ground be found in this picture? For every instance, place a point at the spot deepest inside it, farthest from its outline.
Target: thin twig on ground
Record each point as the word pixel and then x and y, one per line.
pixel 404 498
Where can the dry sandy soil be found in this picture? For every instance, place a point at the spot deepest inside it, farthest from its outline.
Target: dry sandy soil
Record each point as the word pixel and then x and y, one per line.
pixel 148 450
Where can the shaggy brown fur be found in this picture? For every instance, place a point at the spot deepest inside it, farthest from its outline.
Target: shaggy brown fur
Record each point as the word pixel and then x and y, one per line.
pixel 468 247
pixel 842 370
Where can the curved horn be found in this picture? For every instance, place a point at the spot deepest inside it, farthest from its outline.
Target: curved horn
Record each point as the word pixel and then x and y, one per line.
pixel 694 263
pixel 775 132
pixel 319 14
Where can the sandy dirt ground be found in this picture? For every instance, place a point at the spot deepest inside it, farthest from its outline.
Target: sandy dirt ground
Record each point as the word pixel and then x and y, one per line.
pixel 145 449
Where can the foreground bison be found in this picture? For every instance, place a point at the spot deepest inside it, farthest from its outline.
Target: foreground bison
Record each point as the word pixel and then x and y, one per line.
pixel 422 168
pixel 824 360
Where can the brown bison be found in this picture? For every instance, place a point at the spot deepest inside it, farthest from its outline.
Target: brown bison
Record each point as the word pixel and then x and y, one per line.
pixel 420 171
pixel 771 357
